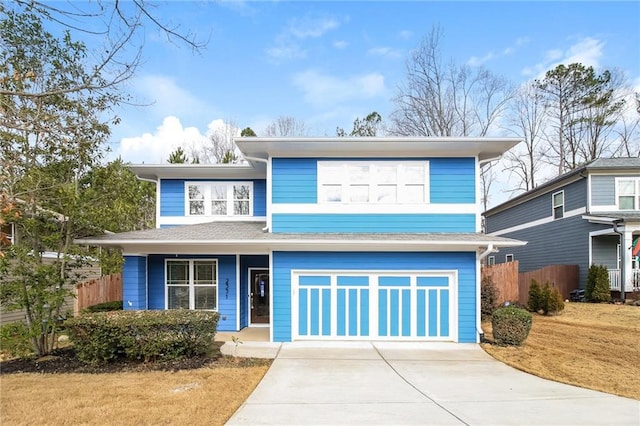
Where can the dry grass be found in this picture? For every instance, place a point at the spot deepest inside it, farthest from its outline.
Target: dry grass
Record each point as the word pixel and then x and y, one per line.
pixel 204 396
pixel 594 346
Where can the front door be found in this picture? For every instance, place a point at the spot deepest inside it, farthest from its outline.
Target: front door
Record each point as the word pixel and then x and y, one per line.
pixel 259 296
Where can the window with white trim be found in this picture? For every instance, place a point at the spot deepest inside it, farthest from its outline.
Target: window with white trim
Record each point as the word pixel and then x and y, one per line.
pixel 558 205
pixel 373 182
pixel 491 260
pixel 508 258
pixel 218 198
pixel 192 284
pixel 628 193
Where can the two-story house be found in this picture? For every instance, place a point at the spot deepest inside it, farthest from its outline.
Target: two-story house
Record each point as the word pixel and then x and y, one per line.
pixel 321 238
pixel 590 215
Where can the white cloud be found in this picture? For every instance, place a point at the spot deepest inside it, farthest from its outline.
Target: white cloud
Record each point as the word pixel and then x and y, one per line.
pixel 476 61
pixel 384 51
pixel 586 51
pixel 287 43
pixel 153 148
pixel 327 90
pixel 405 34
pixel 340 44
pixel 311 27
pixel 166 96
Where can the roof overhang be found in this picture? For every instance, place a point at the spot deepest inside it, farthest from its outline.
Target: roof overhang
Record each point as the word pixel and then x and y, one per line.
pixel 274 244
pixel 155 172
pixel 375 147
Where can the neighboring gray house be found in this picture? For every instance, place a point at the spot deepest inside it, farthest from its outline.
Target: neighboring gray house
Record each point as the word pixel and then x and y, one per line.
pixel 590 215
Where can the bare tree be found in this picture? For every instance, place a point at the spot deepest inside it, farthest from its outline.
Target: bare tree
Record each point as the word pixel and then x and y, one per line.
pixel 628 129
pixel 286 126
pixel 445 99
pixel 221 148
pixel 526 119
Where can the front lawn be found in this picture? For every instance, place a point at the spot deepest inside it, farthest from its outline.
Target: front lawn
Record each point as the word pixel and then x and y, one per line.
pixel 595 346
pixel 206 395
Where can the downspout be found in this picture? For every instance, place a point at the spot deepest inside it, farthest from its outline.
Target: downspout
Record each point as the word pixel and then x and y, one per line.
pixel 260 160
pixel 490 249
pixel 623 267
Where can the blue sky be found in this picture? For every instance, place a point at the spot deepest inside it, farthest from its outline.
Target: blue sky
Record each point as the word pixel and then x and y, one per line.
pixel 327 63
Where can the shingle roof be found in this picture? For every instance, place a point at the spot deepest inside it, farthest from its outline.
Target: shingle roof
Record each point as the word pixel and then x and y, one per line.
pixel 253 231
pixel 615 163
pixel 625 216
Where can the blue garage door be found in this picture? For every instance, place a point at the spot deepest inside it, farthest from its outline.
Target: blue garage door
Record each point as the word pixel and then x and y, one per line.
pixel 382 305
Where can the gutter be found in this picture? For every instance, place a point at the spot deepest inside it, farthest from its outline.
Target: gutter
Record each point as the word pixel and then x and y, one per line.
pixel 260 160
pixel 490 249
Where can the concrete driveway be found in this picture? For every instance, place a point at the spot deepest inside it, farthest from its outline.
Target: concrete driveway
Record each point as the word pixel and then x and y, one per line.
pixel 417 383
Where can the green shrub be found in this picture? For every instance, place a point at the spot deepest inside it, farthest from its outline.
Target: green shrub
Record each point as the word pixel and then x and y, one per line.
pixel 488 297
pixel 598 288
pixel 553 301
pixel 545 300
pixel 511 325
pixel 104 307
pixel 535 302
pixel 14 339
pixel 147 335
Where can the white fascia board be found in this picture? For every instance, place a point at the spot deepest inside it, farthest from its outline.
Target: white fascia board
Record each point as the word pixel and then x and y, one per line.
pixel 599 219
pixel 409 147
pixel 198 171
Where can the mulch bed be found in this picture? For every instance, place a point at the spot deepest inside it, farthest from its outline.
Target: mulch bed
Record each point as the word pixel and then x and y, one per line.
pixel 64 360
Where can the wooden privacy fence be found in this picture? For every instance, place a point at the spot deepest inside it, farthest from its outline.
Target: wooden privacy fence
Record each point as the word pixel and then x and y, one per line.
pixel 104 289
pixel 563 277
pixel 515 286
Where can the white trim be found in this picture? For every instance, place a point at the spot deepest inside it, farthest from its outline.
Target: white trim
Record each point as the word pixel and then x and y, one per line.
pixel 238 292
pixel 373 302
pixel 553 204
pixel 195 220
pixel 609 208
pixel 249 271
pixel 479 296
pixel 191 278
pixel 506 257
pixel 491 260
pixel 207 200
pixel 158 201
pixel 273 285
pixel 589 206
pixel 146 281
pixel 478 191
pixel 371 208
pixel 538 222
pixel 636 193
pixel 269 185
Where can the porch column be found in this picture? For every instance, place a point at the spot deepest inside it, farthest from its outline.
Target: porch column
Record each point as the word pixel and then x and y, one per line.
pixel 626 272
pixel 134 282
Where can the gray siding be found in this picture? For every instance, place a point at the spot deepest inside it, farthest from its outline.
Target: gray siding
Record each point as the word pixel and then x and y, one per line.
pixel 605 250
pixel 561 242
pixel 575 196
pixel 603 190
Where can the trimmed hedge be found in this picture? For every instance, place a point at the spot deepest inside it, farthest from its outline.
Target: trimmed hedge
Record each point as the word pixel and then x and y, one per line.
pixel 511 325
pixel 104 307
pixel 148 335
pixel 545 300
pixel 598 288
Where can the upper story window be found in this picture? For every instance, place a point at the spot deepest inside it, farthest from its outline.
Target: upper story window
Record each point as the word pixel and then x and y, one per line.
pixel 219 198
pixel 558 205
pixel 628 193
pixel 378 182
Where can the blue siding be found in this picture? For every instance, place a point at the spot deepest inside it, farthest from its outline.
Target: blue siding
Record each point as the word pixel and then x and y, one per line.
pixel 294 180
pixel 285 262
pixel 389 223
pixel 226 295
pixel 452 180
pixel 172 195
pixel 134 280
pixel 246 262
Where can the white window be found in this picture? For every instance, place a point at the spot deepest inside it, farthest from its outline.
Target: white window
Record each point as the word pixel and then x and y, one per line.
pixel 192 284
pixel 628 193
pixel 373 182
pixel 491 260
pixel 558 205
pixel 508 258
pixel 219 198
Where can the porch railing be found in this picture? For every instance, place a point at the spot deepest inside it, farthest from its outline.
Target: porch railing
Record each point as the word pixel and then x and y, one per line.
pixel 634 282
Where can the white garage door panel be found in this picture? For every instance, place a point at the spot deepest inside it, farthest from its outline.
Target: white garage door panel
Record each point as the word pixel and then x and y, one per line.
pixel 416 305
